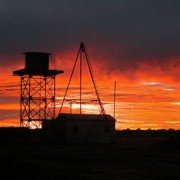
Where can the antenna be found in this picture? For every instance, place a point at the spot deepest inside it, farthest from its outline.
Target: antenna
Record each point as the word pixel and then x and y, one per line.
pixel 80 76
pixel 114 99
pixel 82 52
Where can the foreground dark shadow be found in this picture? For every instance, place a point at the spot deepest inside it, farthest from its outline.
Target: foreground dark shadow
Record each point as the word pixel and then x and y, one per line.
pixel 134 155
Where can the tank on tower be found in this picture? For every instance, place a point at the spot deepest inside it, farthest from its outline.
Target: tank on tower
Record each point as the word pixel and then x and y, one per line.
pixel 37 61
pixel 37 86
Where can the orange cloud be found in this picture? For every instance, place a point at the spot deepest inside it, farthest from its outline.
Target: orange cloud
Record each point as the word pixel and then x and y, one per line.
pixel 147 96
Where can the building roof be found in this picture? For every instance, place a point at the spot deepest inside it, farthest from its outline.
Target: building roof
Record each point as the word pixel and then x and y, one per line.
pixel 85 117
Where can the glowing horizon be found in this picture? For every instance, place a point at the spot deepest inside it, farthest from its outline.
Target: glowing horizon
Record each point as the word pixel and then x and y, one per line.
pixel 147 101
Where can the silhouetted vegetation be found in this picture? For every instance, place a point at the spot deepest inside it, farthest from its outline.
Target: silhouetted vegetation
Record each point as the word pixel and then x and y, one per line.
pixel 148 133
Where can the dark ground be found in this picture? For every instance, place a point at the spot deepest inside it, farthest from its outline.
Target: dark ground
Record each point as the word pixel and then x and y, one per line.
pixel 134 155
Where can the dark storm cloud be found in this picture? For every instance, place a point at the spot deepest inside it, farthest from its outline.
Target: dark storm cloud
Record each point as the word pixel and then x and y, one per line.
pixel 126 32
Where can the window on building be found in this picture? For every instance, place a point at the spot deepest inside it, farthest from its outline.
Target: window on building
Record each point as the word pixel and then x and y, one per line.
pixel 75 129
pixel 106 129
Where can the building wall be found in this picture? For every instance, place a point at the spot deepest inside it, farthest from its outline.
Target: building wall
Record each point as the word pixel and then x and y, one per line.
pixel 81 131
pixel 90 131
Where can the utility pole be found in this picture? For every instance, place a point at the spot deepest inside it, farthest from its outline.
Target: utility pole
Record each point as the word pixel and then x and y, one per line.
pixel 80 90
pixel 114 99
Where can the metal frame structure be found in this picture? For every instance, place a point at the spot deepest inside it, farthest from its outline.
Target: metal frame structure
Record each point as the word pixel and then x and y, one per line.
pixel 37 101
pixel 83 55
pixel 37 92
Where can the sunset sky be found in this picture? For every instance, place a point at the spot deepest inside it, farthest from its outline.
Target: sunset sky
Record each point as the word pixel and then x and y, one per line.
pixel 133 42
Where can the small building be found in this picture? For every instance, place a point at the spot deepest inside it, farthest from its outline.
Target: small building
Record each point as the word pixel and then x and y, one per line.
pixel 81 128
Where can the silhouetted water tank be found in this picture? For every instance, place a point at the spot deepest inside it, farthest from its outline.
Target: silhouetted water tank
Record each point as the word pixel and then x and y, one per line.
pixel 37 61
pixel 37 64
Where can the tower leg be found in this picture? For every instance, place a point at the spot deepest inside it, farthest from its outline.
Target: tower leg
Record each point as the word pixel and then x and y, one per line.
pixel 37 100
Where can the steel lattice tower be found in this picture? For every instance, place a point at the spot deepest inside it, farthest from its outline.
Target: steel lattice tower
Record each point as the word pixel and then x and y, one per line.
pixel 37 90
